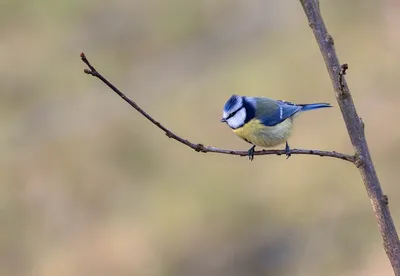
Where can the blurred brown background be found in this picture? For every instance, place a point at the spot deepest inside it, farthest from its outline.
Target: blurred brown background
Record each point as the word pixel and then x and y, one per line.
pixel 89 187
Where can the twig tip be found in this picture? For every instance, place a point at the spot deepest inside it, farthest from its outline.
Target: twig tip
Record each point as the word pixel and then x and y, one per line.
pixel 345 66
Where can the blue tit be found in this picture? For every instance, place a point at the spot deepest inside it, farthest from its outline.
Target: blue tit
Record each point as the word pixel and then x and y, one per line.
pixel 262 121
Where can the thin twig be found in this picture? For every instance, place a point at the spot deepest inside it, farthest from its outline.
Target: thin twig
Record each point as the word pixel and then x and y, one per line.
pixel 200 147
pixel 355 128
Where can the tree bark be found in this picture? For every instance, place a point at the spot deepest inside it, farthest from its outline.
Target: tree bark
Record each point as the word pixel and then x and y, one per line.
pixel 355 128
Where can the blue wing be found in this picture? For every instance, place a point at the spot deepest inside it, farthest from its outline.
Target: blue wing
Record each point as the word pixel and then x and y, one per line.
pixel 271 112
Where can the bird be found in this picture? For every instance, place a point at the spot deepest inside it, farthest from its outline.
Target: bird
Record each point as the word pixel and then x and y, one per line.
pixel 262 121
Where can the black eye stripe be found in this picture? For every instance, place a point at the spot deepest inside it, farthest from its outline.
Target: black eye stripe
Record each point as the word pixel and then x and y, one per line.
pixel 233 113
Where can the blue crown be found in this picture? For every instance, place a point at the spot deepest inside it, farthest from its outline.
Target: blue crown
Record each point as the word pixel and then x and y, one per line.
pixel 231 102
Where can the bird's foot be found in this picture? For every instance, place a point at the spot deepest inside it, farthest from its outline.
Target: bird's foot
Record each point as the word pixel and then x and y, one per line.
pixel 287 150
pixel 250 153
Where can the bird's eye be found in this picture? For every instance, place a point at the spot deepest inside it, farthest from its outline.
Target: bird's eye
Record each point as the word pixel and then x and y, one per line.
pixel 233 113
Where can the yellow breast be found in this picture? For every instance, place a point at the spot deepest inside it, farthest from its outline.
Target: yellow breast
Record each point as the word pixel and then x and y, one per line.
pixel 258 134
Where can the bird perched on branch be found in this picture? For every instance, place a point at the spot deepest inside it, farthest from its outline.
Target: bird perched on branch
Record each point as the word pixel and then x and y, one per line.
pixel 262 121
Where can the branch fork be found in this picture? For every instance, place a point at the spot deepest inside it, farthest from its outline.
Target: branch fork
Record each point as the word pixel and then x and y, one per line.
pixel 355 127
pixel 200 147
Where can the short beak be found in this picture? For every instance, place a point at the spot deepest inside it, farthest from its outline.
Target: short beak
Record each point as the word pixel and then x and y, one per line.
pixel 223 120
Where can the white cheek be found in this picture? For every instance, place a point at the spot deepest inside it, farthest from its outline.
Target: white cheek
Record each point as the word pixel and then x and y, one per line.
pixel 237 120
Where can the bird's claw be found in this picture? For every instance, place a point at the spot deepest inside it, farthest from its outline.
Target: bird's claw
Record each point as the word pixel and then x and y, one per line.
pixel 250 153
pixel 287 150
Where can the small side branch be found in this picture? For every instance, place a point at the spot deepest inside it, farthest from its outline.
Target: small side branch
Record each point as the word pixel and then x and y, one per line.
pixel 200 147
pixel 342 73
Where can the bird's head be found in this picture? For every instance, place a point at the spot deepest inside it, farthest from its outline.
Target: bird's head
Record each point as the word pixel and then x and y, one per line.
pixel 234 113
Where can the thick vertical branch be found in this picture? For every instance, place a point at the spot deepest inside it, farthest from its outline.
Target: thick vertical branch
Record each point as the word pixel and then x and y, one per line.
pixel 355 128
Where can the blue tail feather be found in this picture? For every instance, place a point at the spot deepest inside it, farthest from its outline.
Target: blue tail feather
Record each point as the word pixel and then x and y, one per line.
pixel 312 106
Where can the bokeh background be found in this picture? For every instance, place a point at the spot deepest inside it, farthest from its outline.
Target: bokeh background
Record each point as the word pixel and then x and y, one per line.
pixel 89 187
